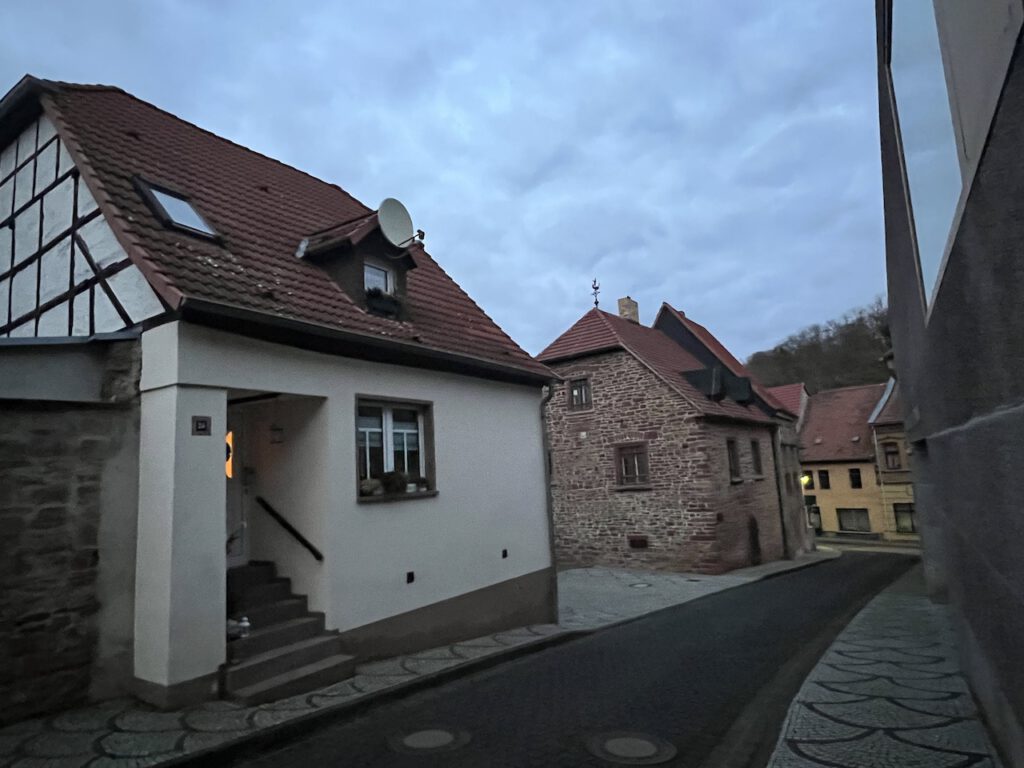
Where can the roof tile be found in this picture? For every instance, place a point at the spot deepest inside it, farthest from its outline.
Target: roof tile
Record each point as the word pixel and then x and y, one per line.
pixel 599 331
pixel 836 424
pixel 262 209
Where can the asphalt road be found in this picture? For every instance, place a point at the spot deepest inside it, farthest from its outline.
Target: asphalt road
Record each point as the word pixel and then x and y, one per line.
pixel 713 677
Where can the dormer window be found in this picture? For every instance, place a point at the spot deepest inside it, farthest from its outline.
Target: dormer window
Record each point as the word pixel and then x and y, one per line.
pixel 175 210
pixel 376 278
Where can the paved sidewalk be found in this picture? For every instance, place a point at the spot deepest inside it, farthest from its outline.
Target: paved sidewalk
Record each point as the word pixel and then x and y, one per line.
pixel 888 692
pixel 590 598
pixel 125 733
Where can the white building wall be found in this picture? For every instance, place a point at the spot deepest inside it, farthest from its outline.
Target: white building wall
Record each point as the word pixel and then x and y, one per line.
pixel 181 562
pixel 489 469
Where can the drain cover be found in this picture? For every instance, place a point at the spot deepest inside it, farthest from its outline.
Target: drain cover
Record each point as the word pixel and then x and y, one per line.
pixel 631 748
pixel 428 740
pixel 640 585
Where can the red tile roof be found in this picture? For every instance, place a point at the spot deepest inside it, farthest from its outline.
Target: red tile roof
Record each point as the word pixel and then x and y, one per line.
pixel 724 355
pixel 599 331
pixel 262 209
pixel 789 395
pixel 836 424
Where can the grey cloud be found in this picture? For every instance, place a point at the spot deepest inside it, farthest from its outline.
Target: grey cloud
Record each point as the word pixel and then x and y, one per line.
pixel 721 156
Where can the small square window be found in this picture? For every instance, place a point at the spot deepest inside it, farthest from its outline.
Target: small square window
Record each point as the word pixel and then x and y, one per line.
pixel 579 394
pixel 631 465
pixel 755 453
pixel 178 211
pixel 823 480
pixel 855 481
pixel 377 279
pixel 734 460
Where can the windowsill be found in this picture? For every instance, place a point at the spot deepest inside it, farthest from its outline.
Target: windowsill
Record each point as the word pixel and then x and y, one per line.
pixel 634 487
pixel 735 480
pixel 579 411
pixel 407 496
pixel 759 477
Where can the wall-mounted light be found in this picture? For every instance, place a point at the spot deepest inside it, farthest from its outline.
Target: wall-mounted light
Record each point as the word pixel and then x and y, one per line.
pixel 276 435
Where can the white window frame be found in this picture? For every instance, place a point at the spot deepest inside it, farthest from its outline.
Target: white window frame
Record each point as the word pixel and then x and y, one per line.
pixel 389 276
pixel 388 438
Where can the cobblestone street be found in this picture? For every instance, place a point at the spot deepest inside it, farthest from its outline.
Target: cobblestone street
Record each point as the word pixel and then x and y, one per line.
pixel 127 733
pixel 888 693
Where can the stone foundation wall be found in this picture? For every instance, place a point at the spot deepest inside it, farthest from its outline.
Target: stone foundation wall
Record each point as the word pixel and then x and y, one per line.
pixel 54 461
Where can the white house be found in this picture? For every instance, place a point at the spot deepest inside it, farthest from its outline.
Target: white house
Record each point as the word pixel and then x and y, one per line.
pixel 212 361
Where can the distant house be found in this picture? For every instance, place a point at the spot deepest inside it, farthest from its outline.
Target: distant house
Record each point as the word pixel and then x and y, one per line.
pixel 856 476
pixel 210 359
pixel 664 452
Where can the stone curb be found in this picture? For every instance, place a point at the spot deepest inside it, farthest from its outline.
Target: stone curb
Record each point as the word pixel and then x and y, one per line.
pixel 229 751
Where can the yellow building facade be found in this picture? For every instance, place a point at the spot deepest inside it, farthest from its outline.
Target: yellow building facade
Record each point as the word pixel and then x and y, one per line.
pixel 856 476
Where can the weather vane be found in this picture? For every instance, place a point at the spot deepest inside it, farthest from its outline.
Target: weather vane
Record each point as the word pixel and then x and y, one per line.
pixel 597 290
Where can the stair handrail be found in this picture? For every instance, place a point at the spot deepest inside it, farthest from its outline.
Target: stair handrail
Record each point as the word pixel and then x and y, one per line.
pixel 290 528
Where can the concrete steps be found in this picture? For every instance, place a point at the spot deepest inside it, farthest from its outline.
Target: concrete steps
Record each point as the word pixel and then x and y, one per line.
pixel 288 651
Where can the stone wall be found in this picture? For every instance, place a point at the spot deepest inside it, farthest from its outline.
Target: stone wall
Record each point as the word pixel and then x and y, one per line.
pixel 689 488
pixel 749 528
pixel 53 460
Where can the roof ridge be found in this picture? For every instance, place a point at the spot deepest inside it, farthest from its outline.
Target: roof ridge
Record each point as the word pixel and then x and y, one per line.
pixel 114 89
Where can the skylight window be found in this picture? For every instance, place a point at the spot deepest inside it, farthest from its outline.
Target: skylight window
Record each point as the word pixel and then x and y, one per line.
pixel 179 212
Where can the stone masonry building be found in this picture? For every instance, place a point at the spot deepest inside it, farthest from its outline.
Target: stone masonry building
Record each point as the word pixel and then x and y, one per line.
pixel 663 452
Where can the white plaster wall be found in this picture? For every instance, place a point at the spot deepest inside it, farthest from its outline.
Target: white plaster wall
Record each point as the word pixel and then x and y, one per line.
pixel 180 585
pixel 489 460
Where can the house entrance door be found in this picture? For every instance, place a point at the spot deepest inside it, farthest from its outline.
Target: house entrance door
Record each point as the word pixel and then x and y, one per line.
pixel 237 533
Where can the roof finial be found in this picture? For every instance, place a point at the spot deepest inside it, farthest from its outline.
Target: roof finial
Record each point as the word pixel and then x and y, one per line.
pixel 596 290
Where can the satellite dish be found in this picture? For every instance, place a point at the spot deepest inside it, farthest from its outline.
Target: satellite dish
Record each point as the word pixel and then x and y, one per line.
pixel 395 222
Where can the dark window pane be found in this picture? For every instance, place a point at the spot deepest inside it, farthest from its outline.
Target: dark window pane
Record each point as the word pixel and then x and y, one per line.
pixel 892 455
pixel 807 478
pixel 755 452
pixel 632 465
pixel 371 417
pixel 854 520
pixel 905 522
pixel 855 481
pixel 823 479
pixel 579 394
pixel 734 459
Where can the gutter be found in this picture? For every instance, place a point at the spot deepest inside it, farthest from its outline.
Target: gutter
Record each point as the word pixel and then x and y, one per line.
pixel 776 441
pixel 335 341
pixel 549 496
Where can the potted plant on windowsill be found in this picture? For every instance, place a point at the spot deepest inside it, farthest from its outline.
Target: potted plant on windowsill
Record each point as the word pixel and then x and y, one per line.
pixel 394 482
pixel 380 303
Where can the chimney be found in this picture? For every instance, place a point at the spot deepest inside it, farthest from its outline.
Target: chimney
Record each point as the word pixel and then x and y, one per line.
pixel 628 310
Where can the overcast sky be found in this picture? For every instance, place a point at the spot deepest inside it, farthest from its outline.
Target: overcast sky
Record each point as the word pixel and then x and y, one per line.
pixel 721 155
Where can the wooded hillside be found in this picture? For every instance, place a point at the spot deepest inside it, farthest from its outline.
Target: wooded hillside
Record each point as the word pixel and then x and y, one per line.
pixel 842 353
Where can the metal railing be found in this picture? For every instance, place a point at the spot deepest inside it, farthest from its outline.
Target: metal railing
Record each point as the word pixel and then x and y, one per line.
pixel 290 529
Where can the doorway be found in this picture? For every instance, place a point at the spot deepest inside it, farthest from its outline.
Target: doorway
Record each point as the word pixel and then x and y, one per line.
pixel 234 470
